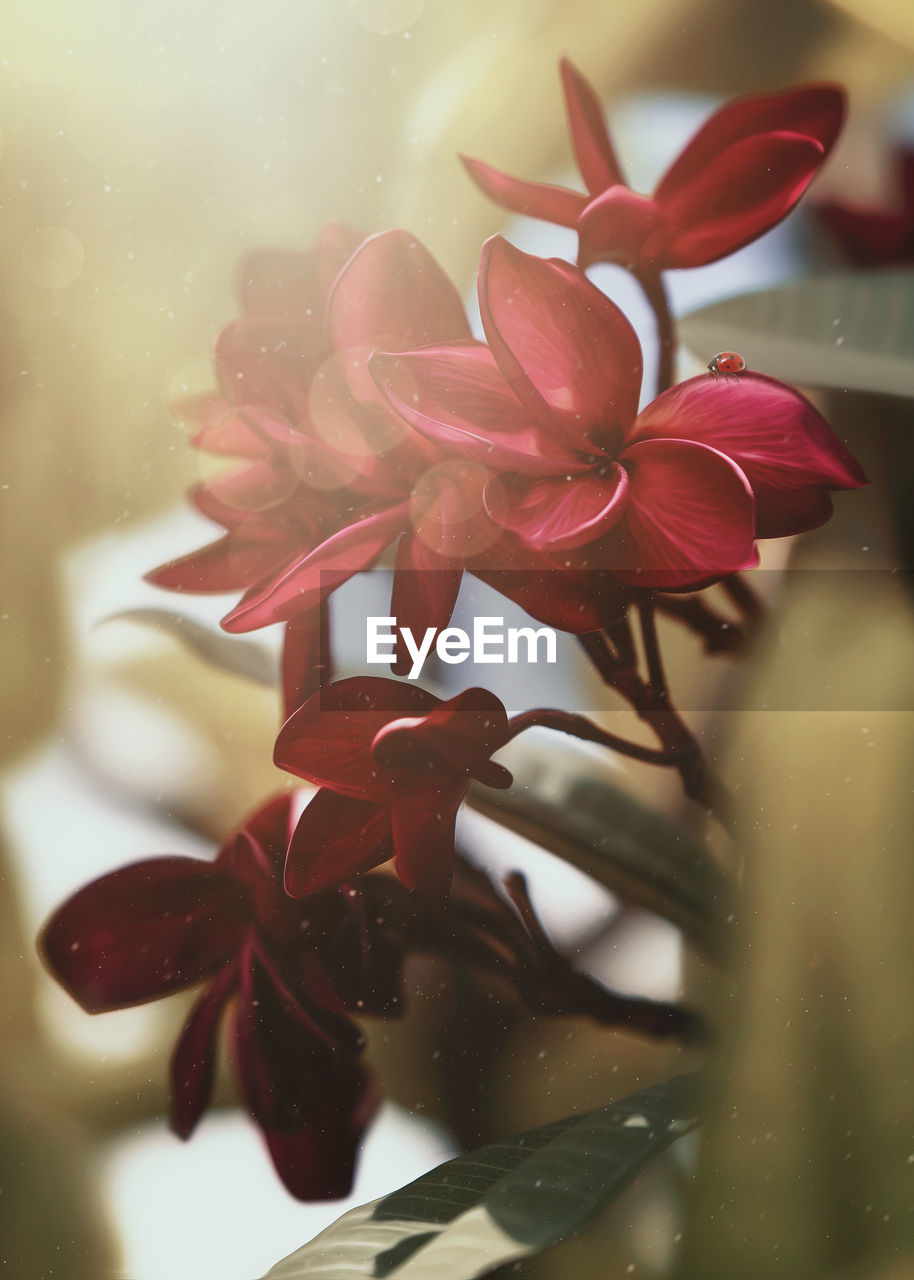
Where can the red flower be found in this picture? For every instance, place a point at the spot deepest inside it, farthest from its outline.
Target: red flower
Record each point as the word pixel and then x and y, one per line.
pixel 332 477
pixel 159 926
pixel 671 497
pixel 741 174
pixel 393 764
pixel 295 971
pixel 876 237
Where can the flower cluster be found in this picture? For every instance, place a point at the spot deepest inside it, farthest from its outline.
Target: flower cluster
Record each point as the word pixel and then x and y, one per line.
pixel 299 973
pixel 369 422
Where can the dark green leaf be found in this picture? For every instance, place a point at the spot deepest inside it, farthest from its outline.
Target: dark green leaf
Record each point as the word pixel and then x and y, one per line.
pixel 503 1202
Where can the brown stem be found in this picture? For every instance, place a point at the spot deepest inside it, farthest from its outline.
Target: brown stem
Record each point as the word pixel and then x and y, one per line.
pixel 654 707
pixel 656 294
pixel 719 635
pixel 576 992
pixel 749 603
pixel 620 637
pixel 655 670
pixel 580 727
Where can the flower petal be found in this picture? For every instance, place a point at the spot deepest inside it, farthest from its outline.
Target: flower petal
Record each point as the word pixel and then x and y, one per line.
pixel 221 429
pixel 309 579
pixel 243 557
pixel 569 353
pixel 425 591
pixel 257 850
pixel 779 440
pixel 458 397
pixel 337 837
pixel 741 193
pixel 328 740
pixel 562 513
pixel 362 443
pixel 868 237
pixel 623 227
pixel 312 1100
pixel 462 733
pixel 690 517
pixel 257 487
pixel 306 658
pixel 391 296
pixel 553 596
pixel 533 199
pixel 592 147
pixel 288 282
pixel 814 111
pixel 548 589
pixel 423 820
pixel 269 363
pixel 144 931
pixel 194 1059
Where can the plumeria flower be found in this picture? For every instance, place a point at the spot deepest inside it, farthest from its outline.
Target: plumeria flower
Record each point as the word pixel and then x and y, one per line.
pixel 393 764
pixel 876 237
pixel 741 174
pixel 332 477
pixel 672 497
pixel 158 926
pixel 297 973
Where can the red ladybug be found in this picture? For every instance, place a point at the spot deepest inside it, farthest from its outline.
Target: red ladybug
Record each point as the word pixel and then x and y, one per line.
pixel 728 363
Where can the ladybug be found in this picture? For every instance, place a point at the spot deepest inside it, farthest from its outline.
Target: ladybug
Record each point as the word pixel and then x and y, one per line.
pixel 728 363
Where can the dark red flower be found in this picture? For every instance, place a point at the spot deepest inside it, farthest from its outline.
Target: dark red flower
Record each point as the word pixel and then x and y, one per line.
pixel 669 498
pixel 393 764
pixel 297 973
pixel 872 237
pixel 294 970
pixel 741 174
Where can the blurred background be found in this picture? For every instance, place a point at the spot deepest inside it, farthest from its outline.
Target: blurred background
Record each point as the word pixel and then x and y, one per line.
pixel 142 149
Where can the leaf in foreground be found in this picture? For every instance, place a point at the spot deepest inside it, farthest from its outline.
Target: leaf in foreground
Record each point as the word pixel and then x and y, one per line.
pixel 852 330
pixel 502 1202
pixel 562 805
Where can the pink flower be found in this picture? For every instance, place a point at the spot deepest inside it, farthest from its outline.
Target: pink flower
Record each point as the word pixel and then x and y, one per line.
pixel 393 764
pixel 331 476
pixel 741 174
pixel 670 498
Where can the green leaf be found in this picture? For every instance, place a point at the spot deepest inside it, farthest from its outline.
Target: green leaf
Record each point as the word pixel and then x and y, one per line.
pixel 228 653
pixel 847 329
pixel 561 804
pixel 502 1202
